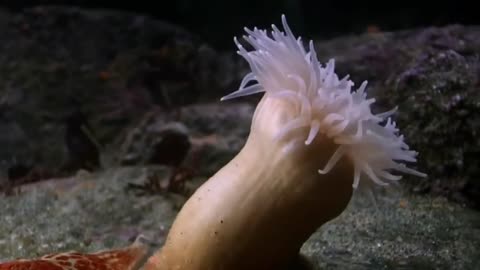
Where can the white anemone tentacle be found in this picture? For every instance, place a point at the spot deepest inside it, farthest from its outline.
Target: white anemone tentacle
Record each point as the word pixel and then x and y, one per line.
pixel 322 104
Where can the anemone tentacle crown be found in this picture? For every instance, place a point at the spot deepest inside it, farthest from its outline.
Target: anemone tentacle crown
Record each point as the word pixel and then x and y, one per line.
pixel 324 105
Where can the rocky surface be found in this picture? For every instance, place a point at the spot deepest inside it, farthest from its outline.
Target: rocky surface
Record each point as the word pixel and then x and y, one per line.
pixel 92 211
pixel 131 65
pixel 89 212
pixel 112 67
pixel 135 78
pixel 433 76
pixel 398 231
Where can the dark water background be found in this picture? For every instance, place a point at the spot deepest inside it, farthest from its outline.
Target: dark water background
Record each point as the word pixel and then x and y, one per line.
pixel 216 21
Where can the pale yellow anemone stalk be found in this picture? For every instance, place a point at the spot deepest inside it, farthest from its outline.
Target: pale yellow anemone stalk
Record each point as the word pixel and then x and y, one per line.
pixel 258 210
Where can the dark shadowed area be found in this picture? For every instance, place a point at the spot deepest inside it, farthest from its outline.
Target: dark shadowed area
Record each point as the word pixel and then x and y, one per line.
pixel 217 21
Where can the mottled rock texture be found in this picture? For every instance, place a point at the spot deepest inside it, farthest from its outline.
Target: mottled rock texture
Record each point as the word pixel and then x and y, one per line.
pixel 433 76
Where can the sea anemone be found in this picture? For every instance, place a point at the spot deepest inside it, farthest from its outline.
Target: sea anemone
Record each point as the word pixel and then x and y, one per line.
pixel 312 138
pixel 323 104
